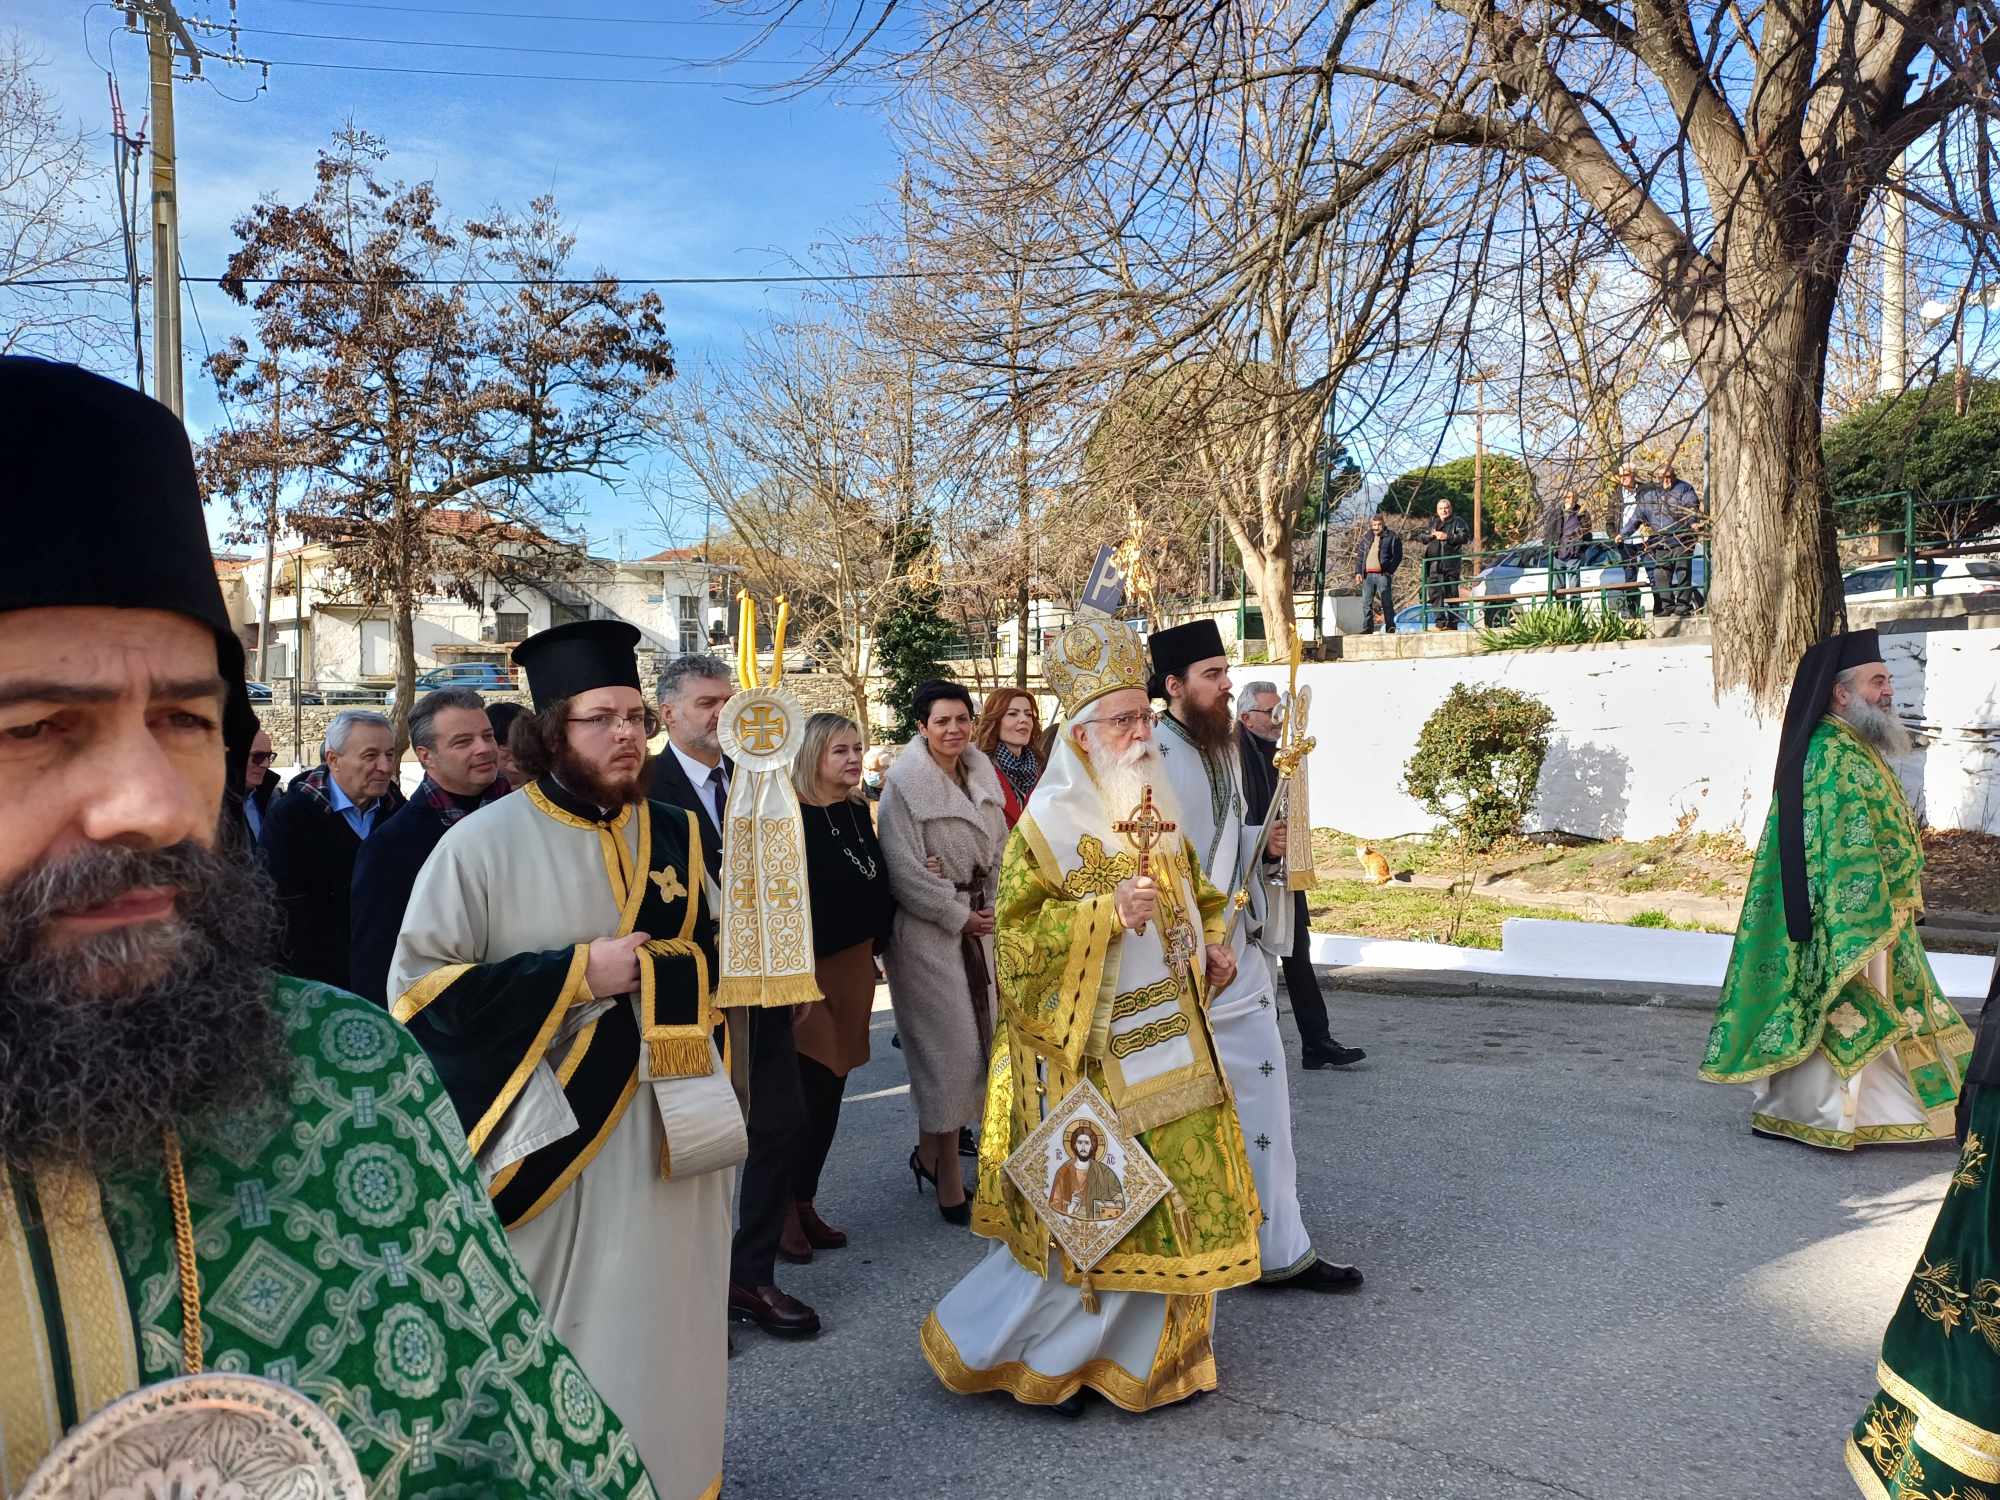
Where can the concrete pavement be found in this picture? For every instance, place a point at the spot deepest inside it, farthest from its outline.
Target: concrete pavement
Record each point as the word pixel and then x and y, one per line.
pixel 1585 1279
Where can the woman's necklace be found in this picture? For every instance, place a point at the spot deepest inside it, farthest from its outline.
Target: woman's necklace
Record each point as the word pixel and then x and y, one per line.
pixel 865 864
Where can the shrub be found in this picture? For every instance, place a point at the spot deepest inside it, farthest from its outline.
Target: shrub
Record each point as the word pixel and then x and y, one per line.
pixel 1478 761
pixel 1559 625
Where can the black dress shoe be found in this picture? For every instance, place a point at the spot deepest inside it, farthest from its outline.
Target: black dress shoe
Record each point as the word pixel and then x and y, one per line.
pixel 1070 1406
pixel 1322 1276
pixel 967 1145
pixel 772 1310
pixel 1329 1054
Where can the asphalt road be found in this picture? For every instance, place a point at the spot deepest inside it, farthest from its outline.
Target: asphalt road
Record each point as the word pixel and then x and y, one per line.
pixel 1585 1279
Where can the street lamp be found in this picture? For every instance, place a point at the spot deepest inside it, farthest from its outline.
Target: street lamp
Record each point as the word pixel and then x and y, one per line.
pixel 1988 300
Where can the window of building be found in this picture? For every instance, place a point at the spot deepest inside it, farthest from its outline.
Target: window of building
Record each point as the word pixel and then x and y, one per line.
pixel 510 625
pixel 690 622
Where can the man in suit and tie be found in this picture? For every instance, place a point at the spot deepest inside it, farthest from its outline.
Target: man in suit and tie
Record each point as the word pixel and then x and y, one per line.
pixel 693 773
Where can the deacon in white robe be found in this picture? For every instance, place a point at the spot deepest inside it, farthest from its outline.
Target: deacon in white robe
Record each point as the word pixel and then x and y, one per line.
pixel 1202 760
pixel 554 963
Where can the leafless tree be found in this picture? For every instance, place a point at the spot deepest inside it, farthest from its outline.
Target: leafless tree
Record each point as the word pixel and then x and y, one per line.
pixel 435 386
pixel 55 224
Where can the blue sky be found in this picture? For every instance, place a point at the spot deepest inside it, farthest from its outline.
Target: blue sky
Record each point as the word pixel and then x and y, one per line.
pixel 662 178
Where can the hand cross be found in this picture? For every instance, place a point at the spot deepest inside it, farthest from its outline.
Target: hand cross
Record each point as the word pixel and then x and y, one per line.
pixel 1145 828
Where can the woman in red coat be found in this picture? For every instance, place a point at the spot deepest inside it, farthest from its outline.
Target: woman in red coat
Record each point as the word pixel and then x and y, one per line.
pixel 1008 728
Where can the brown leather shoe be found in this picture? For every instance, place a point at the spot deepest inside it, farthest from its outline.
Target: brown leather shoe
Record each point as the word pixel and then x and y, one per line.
pixel 772 1310
pixel 818 1233
pixel 794 1244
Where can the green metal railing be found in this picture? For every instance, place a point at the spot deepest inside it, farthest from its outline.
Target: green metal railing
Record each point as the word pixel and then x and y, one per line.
pixel 1443 582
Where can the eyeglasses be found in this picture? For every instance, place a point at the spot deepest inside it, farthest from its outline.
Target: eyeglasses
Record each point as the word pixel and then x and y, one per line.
pixel 1123 723
pixel 262 757
pixel 642 722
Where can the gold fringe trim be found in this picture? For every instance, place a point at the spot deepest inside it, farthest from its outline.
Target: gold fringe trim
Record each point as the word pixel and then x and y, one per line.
pixel 30 1418
pixel 686 1056
pixel 756 990
pixel 1303 880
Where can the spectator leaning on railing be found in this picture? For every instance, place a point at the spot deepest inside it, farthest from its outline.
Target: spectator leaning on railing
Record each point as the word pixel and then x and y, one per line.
pixel 1444 561
pixel 1376 558
pixel 1671 516
pixel 1625 523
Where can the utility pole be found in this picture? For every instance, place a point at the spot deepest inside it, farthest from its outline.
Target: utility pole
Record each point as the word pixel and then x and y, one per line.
pixel 270 528
pixel 1479 468
pixel 164 32
pixel 125 152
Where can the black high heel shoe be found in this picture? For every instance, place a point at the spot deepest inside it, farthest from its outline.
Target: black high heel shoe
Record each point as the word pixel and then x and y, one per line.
pixel 917 1168
pixel 957 1213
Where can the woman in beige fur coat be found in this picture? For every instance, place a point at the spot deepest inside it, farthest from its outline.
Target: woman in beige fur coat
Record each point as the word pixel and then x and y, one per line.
pixel 942 825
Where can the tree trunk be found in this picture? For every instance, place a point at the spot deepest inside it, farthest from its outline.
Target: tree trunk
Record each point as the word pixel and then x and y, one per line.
pixel 1272 574
pixel 404 608
pixel 1774 572
pixel 1024 497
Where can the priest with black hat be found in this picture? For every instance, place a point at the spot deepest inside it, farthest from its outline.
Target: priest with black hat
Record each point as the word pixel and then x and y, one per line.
pixel 1829 1006
pixel 1203 761
pixel 212 1175
pixel 555 961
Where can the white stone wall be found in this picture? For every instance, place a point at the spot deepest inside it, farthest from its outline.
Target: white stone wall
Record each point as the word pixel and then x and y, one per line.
pixel 1639 737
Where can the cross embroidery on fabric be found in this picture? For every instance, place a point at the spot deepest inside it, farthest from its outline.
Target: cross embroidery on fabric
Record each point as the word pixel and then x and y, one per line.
pixel 1263 1143
pixel 669 882
pixel 1267 1070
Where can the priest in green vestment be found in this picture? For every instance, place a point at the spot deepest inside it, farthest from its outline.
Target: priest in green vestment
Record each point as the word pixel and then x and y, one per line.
pixel 206 1168
pixel 1829 1006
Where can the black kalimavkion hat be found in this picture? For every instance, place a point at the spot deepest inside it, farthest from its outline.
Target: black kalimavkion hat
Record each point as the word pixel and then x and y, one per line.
pixel 565 660
pixel 1178 648
pixel 103 511
pixel 1812 689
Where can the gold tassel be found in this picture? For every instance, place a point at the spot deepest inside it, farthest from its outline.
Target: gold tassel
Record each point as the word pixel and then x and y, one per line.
pixel 1183 1229
pixel 767 989
pixel 1087 1294
pixel 680 1056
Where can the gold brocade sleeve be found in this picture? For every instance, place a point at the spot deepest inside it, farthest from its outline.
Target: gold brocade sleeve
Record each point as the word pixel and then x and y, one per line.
pixel 1052 952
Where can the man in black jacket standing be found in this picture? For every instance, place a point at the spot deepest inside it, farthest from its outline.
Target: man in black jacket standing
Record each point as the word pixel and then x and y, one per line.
pixel 1376 558
pixel 1257 728
pixel 260 786
pixel 1444 563
pixel 313 832
pixel 692 773
pixel 454 742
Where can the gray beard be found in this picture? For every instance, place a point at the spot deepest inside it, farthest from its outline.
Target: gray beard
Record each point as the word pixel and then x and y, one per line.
pixel 1878 727
pixel 107 1041
pixel 1122 781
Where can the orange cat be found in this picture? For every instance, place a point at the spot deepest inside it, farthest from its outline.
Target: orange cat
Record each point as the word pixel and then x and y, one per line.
pixel 1374 868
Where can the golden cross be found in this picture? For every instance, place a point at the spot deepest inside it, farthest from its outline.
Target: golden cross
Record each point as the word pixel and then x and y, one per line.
pixel 743 894
pixel 782 892
pixel 1145 828
pixel 762 728
pixel 669 882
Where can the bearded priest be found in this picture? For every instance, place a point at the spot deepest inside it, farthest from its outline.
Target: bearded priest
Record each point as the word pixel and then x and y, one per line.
pixel 1829 1005
pixel 208 1169
pixel 1103 974
pixel 555 963
pixel 1203 758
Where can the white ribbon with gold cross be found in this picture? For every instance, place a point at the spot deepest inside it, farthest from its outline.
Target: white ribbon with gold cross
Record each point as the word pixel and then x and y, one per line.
pixel 767 942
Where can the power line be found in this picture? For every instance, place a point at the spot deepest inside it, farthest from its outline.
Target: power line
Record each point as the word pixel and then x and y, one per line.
pixel 803 278
pixel 691 83
pixel 397 41
pixel 528 15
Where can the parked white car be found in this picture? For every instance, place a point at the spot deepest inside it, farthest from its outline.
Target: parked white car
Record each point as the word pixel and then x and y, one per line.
pixel 1931 576
pixel 1525 571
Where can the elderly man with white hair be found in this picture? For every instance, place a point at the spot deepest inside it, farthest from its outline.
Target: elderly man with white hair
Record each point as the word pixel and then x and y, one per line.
pixel 313 833
pixel 1829 1006
pixel 1104 974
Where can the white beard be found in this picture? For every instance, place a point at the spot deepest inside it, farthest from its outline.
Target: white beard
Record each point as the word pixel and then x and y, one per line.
pixel 1122 780
pixel 1878 727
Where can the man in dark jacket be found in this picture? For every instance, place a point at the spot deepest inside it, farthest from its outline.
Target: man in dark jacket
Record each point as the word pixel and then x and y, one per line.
pixel 1376 559
pixel 1572 539
pixel 1444 564
pixel 1257 729
pixel 454 742
pixel 260 785
pixel 313 832
pixel 691 772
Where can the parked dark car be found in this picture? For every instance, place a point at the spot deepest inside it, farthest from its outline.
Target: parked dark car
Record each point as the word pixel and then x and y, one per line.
pixel 481 676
